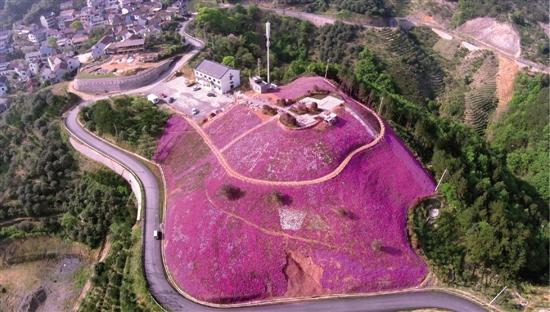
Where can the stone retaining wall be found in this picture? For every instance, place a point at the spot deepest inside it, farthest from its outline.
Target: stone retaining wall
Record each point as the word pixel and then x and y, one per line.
pixel 117 84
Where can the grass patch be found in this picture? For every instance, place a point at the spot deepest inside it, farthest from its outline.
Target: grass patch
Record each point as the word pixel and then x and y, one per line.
pixel 80 276
pixel 87 75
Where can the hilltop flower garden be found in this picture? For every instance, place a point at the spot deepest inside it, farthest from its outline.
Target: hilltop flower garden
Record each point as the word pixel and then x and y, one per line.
pixel 227 240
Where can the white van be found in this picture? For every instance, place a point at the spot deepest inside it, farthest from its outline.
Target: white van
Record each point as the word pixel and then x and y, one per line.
pixel 157 234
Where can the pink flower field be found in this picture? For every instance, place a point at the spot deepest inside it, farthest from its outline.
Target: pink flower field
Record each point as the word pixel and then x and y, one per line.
pixel 344 235
pixel 278 154
pixel 235 122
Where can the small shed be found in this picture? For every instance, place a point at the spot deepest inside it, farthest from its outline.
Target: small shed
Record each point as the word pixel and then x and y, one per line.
pixel 329 118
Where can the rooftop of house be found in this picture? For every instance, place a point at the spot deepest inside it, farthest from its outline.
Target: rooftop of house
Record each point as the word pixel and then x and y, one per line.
pixel 212 69
pixel 67 13
pixel 127 43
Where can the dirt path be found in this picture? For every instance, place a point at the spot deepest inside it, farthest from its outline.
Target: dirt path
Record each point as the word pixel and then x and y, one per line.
pixel 507 71
pixel 100 257
pixel 228 145
pixel 268 231
pixel 233 173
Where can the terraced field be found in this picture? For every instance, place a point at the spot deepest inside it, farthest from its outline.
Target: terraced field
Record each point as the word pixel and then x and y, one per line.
pixel 426 73
pixel 480 100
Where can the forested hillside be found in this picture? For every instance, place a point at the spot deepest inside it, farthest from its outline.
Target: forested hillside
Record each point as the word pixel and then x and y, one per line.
pixel 46 190
pixel 522 133
pixel 132 122
pixel 36 166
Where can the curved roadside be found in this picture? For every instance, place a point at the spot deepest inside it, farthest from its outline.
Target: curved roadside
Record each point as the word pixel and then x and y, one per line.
pixel 170 299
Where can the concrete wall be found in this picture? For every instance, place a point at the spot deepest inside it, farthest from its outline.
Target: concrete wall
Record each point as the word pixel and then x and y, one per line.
pixel 116 84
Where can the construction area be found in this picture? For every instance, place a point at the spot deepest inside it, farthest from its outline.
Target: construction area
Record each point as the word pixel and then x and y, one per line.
pixel 119 65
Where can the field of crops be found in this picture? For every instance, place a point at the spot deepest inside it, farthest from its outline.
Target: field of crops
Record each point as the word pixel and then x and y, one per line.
pixel 345 235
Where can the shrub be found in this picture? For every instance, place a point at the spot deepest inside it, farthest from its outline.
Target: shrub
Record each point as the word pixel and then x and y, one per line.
pixel 376 245
pixel 288 120
pixel 268 110
pixel 278 198
pixel 230 192
pixel 300 109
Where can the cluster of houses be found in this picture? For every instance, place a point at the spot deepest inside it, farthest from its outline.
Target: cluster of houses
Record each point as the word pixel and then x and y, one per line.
pixel 54 46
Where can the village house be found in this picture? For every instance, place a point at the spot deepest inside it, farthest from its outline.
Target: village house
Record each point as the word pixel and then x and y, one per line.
pixel 36 35
pixel 22 71
pixel 7 70
pixel 49 21
pixel 99 49
pixel 79 39
pixel 61 65
pixel 33 57
pixel 34 67
pixel 217 77
pixel 66 17
pixel 126 46
pixel 47 75
pixel 67 5
pixel 5 42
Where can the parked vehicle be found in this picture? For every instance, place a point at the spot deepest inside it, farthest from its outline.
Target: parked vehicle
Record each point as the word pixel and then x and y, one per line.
pixel 171 100
pixel 211 94
pixel 196 88
pixel 164 95
pixel 153 98
pixel 195 111
pixel 157 234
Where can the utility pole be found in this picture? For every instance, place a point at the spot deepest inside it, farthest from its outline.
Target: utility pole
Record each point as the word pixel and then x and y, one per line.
pixel 441 179
pixel 326 69
pixel 268 35
pixel 259 67
pixel 380 106
pixel 495 298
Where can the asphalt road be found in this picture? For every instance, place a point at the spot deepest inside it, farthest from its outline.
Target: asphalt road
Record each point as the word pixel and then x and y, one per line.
pixel 171 300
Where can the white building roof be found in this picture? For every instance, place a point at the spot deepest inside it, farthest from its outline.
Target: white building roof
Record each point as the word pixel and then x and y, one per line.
pixel 327 103
pixel 212 69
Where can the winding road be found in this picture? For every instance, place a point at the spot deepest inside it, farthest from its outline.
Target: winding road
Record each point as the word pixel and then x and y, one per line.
pixel 170 299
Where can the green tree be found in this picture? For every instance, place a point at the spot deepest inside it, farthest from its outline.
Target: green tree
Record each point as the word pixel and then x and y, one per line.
pixel 77 25
pixel 52 42
pixel 228 61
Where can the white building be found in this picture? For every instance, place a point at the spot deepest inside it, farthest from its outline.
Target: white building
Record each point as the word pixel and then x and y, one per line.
pixel 23 72
pixel 58 67
pixel 99 49
pixel 217 77
pixel 49 21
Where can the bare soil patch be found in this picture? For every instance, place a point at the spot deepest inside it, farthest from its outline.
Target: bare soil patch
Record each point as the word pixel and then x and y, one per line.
pixel 507 71
pixel 54 276
pixel 487 30
pixel 303 276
